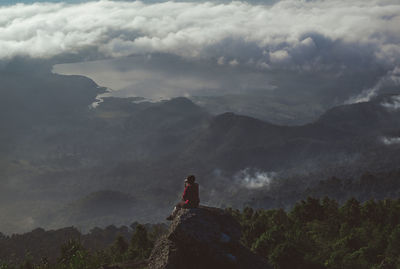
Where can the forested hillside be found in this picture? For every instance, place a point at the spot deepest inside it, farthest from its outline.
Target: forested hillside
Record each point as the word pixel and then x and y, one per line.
pixel 68 247
pixel 319 233
pixel 315 233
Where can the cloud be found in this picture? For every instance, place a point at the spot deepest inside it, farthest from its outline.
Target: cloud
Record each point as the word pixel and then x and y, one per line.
pixel 392 78
pixel 254 179
pixel 391 141
pixel 392 104
pixel 221 60
pixel 298 34
pixel 315 54
pixel 233 63
pixel 279 56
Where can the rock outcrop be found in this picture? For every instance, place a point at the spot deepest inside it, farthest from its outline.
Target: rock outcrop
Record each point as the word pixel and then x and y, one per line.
pixel 203 237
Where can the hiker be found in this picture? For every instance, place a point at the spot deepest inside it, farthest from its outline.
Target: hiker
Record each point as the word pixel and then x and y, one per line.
pixel 190 196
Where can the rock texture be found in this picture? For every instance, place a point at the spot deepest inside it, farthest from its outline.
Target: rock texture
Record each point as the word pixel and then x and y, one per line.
pixel 203 237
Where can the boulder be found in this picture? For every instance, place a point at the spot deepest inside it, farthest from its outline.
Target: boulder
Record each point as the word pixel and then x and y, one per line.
pixel 203 237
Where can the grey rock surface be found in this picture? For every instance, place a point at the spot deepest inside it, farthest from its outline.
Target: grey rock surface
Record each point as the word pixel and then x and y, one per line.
pixel 203 237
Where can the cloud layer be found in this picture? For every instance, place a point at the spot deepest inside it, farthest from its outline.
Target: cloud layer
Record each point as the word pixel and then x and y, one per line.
pixel 254 179
pixel 391 140
pixel 393 104
pixel 390 80
pixel 303 35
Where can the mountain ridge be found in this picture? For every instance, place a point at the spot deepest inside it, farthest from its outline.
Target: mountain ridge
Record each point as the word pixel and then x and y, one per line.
pixel 145 149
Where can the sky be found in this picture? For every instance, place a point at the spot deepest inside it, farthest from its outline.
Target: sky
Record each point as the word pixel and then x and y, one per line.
pixel 350 48
pixel 13 2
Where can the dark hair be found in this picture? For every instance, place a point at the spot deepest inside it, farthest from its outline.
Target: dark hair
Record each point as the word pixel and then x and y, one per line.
pixel 191 179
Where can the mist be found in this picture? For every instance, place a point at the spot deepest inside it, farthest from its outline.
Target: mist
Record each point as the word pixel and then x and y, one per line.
pixel 89 102
pixel 215 49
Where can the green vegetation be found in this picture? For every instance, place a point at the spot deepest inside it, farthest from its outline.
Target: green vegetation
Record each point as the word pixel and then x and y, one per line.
pixel 140 246
pixel 315 234
pixel 74 255
pixel 318 233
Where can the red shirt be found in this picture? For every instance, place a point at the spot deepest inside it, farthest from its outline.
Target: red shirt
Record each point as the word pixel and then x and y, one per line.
pixel 191 195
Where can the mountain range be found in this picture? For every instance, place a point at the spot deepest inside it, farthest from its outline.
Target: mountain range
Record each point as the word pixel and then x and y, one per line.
pixel 63 156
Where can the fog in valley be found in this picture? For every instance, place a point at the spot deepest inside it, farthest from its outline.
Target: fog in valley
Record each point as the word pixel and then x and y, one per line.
pixel 106 106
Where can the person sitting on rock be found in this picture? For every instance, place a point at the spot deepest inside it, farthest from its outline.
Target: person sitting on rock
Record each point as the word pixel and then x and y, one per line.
pixel 190 196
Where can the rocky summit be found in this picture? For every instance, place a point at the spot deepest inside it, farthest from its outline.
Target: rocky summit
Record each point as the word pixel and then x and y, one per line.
pixel 203 237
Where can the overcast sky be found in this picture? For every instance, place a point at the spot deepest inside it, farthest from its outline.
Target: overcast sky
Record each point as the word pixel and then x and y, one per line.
pixel 329 39
pixel 288 32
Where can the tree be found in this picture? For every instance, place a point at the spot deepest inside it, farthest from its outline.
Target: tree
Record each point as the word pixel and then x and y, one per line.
pixel 140 246
pixel 287 256
pixel 268 240
pixel 351 211
pixel 119 249
pixel 74 255
pixel 393 248
pixel 308 210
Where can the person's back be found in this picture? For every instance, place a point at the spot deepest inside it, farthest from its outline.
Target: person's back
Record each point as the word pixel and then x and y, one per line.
pixel 190 197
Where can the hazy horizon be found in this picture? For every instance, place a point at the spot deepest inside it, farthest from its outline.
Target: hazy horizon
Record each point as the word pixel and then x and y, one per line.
pixel 286 63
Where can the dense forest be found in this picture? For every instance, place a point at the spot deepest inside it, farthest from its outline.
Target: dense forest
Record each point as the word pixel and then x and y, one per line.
pixel 319 233
pixel 68 248
pixel 315 233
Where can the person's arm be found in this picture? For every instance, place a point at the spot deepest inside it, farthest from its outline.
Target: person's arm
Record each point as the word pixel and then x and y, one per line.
pixel 185 195
pixel 197 193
